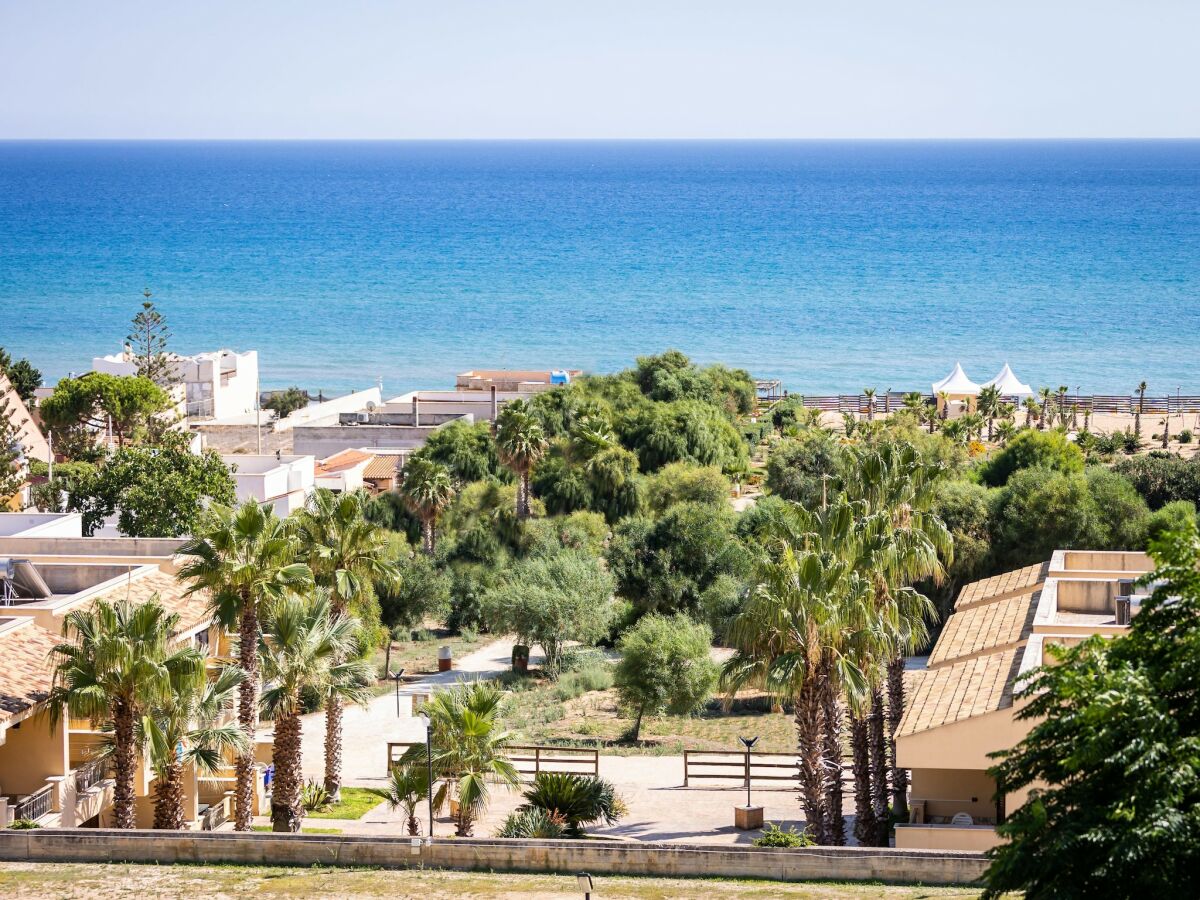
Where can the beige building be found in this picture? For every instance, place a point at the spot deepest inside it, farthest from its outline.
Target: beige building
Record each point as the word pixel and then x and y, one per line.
pixel 961 707
pixel 51 775
pixel 525 380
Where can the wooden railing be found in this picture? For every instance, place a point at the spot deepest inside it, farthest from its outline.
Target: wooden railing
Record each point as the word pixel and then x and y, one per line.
pixel 733 765
pixel 35 805
pixel 529 759
pixel 1101 403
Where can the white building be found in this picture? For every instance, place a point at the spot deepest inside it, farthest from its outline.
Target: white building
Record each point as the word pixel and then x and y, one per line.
pixel 283 482
pixel 216 385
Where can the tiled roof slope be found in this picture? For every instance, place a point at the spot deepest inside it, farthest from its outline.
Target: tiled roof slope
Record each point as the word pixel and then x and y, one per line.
pixel 1004 585
pixel 960 691
pixel 192 610
pixel 984 627
pixel 25 670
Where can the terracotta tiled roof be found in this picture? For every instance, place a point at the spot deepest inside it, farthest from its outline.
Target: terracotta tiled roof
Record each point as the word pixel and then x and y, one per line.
pixel 25 670
pixel 339 462
pixel 1005 585
pixel 192 609
pixel 384 465
pixel 961 691
pixel 984 627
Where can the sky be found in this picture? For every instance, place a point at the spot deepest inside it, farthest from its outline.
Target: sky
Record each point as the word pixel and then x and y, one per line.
pixel 603 69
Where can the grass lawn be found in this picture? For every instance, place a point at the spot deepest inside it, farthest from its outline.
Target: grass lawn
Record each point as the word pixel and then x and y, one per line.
pixel 539 712
pixel 355 803
pixel 303 830
pixel 151 882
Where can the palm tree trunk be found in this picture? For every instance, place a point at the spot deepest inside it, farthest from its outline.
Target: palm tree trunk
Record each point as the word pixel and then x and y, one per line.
pixel 895 713
pixel 832 712
pixel 333 748
pixel 523 496
pixel 168 797
pixel 124 766
pixel 865 826
pixel 247 714
pixel 286 810
pixel 879 783
pixel 427 539
pixel 414 827
pixel 811 760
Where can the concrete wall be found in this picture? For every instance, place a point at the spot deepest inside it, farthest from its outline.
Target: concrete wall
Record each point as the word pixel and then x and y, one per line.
pixel 598 857
pixel 123 547
pixel 323 441
pixel 31 753
pixel 946 837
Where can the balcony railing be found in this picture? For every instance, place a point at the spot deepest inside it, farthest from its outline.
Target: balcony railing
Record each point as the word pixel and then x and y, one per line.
pixel 213 817
pixel 35 805
pixel 90 774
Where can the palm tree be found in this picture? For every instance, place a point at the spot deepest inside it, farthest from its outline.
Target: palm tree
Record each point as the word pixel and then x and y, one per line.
pixel 521 442
pixel 115 664
pixel 988 406
pixel 1141 408
pixel 347 555
pixel 1032 409
pixel 426 490
pixel 190 727
pixel 914 403
pixel 869 393
pixel 407 786
pixel 1045 398
pixel 1061 402
pixel 245 558
pixel 1005 431
pixel 1166 430
pixel 304 646
pixel 943 401
pixel 469 749
pixel 931 417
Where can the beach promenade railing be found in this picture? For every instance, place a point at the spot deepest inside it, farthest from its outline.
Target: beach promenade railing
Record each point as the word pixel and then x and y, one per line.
pixel 1117 404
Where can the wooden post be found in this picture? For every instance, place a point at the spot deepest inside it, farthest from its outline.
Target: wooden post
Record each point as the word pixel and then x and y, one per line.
pixel 685 767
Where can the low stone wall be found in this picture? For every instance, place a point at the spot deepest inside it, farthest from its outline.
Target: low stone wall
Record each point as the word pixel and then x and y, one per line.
pixel 597 857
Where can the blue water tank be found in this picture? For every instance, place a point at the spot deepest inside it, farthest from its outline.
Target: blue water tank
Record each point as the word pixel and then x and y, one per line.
pixel 558 376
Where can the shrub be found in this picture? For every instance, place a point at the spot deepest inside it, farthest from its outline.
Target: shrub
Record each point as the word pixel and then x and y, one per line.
pixel 532 823
pixel 774 836
pixel 593 675
pixel 24 825
pixel 1174 516
pixel 313 796
pixel 798 466
pixel 683 482
pixel 1032 449
pixel 1162 478
pixel 578 800
pixel 1130 442
pixel 1185 436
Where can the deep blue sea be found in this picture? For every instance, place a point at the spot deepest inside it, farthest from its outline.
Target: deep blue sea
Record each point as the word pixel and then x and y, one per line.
pixel 831 265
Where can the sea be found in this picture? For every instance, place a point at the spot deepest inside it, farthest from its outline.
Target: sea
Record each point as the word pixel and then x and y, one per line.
pixel 830 265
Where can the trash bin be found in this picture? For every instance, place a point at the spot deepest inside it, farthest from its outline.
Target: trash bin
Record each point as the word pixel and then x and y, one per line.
pixel 520 658
pixel 445 659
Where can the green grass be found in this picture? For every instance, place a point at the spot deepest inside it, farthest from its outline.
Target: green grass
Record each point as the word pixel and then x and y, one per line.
pixel 355 803
pixel 73 881
pixel 303 830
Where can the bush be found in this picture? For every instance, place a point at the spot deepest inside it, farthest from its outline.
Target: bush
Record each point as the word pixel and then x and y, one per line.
pixel 1163 478
pixel 578 800
pixel 313 796
pixel 664 667
pixel 798 466
pixel 1032 449
pixel 1130 442
pixel 1185 436
pixel 1174 516
pixel 774 836
pixel 532 823
pixel 683 482
pixel 593 675
pixel 24 825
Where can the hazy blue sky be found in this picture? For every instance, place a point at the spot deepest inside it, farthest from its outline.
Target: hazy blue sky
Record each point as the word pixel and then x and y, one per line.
pixel 608 68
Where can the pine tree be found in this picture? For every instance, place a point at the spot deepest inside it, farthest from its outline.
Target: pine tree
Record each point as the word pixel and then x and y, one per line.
pixel 12 466
pixel 149 342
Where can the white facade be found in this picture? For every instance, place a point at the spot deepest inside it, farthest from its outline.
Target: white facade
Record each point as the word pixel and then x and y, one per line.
pixel 284 482
pixel 216 385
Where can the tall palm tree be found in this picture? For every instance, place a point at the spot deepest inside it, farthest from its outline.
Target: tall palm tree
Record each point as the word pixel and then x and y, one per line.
pixel 1141 408
pixel 869 393
pixel 190 727
pixel 521 442
pixel 987 404
pixel 1165 422
pixel 469 750
pixel 1045 399
pixel 1061 403
pixel 304 645
pixel 244 558
pixel 348 555
pixel 931 417
pixel 115 664
pixel 1032 409
pixel 943 402
pixel 1004 431
pixel 427 490
pixel 914 403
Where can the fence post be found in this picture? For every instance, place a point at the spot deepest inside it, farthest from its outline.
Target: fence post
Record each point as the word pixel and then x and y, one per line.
pixel 537 761
pixel 685 767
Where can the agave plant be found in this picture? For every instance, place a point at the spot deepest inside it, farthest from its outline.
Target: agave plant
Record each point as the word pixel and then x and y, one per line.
pixel 532 822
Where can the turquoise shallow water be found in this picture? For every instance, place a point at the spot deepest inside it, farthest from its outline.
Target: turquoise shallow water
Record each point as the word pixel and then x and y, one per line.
pixel 833 265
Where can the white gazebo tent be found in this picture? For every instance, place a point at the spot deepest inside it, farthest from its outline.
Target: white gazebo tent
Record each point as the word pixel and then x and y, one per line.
pixel 1009 385
pixel 956 389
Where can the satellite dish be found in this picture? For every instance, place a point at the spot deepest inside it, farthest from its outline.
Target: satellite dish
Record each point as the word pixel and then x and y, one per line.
pixel 371 406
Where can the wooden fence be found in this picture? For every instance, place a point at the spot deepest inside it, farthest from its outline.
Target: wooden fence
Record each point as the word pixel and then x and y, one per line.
pixel 737 765
pixel 529 759
pixel 1097 403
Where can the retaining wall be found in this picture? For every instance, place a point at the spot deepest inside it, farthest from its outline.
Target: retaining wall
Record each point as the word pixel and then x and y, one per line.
pixel 598 857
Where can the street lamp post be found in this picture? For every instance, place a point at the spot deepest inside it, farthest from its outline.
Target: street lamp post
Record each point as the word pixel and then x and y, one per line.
pixel 748 817
pixel 429 768
pixel 396 676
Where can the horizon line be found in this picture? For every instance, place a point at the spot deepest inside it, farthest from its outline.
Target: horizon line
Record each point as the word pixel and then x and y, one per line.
pixel 598 139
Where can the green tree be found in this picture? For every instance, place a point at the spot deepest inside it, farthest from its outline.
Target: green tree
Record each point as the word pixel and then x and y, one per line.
pixel 284 403
pixel 12 458
pixel 588 470
pixel 686 483
pixel 421 592
pixel 466 450
pixel 1029 449
pixel 244 559
pixel 188 727
pixel 99 401
pixel 116 663
pixel 548 600
pixel 426 490
pixel 1141 409
pixel 348 556
pixel 155 492
pixel 521 443
pixel 799 469
pixel 683 431
pixel 148 338
pixel 1163 478
pixel 1174 516
pixel 1110 762
pixel 988 406
pixel 469 750
pixel 1039 511
pixel 664 668
pixel 24 378
pixel 305 646
pixel 667 564
pixel 1122 516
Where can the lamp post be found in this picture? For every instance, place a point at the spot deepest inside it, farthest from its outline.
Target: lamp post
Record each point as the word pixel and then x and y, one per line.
pixel 748 817
pixel 429 768
pixel 584 882
pixel 396 676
